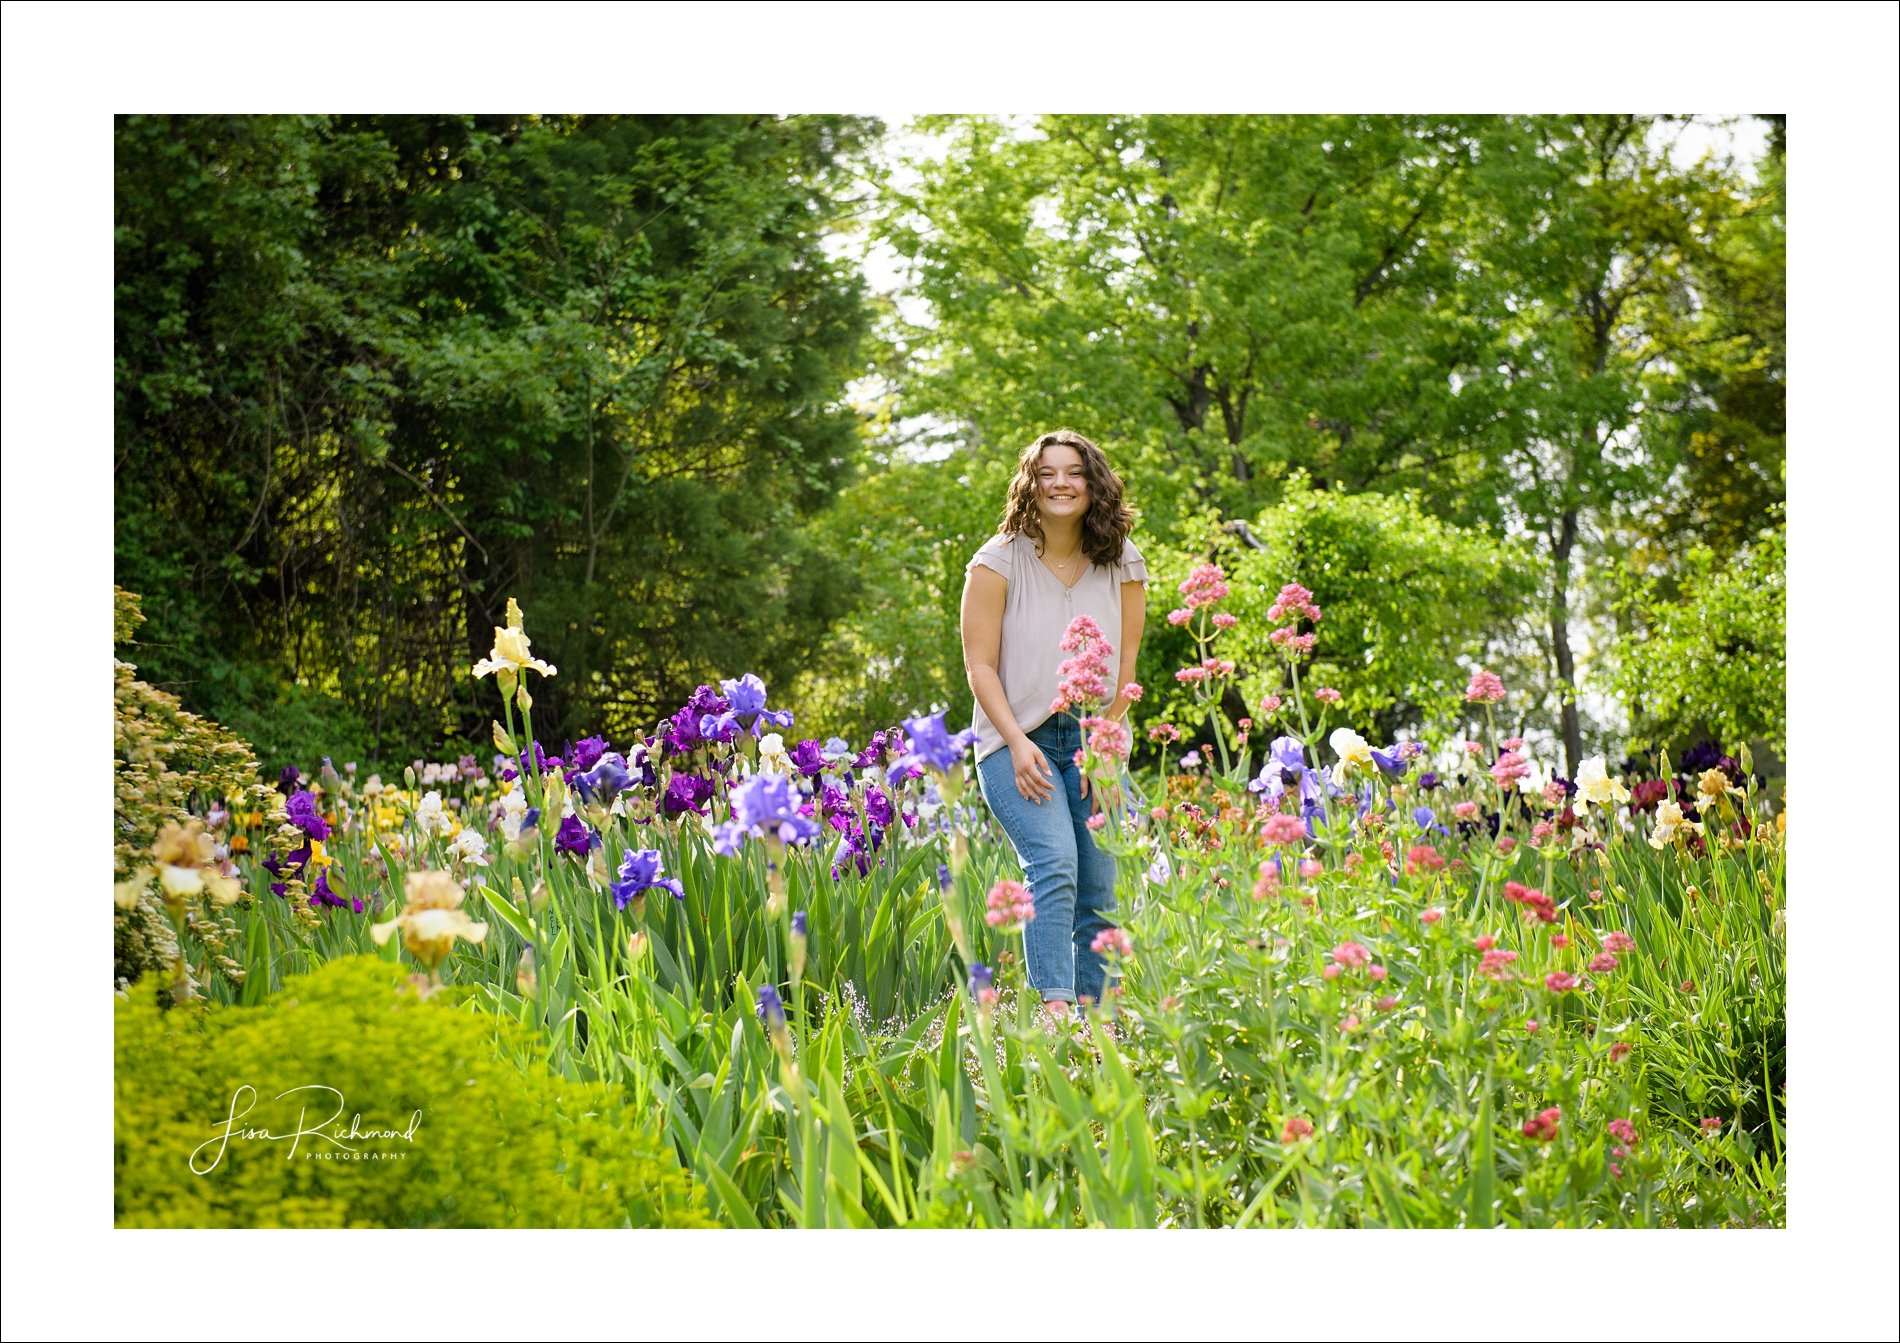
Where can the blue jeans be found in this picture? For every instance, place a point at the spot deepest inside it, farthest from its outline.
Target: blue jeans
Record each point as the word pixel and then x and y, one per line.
pixel 1071 881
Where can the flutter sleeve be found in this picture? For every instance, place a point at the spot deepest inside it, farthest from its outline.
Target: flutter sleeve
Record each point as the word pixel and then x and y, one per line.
pixel 1134 569
pixel 993 554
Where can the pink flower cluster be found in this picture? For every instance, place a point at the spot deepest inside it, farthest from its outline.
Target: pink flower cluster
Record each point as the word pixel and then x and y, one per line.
pixel 1351 955
pixel 1293 602
pixel 1108 739
pixel 1485 688
pixel 1509 768
pixel 1211 669
pixel 1010 906
pixel 1560 981
pixel 1292 640
pixel 1084 682
pixel 1623 1131
pixel 1534 901
pixel 1602 963
pixel 1164 732
pixel 1271 704
pixel 1492 963
pixel 1296 1128
pixel 1618 940
pixel 1205 586
pixel 1283 829
pixel 1326 695
pixel 1543 1127
pixel 1116 941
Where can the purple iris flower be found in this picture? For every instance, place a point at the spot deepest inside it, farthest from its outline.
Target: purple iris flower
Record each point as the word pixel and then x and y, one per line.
pixel 586 753
pixel 979 977
pixel 302 808
pixel 719 726
pixel 1429 781
pixel 529 819
pixel 932 744
pixel 1285 766
pixel 944 878
pixel 706 700
pixel 1392 760
pixel 1427 819
pixel 642 870
pixel 771 1008
pixel 608 776
pixel 798 924
pixel 747 697
pixel 688 792
pixel 321 895
pixel 682 732
pixel 288 779
pixel 574 837
pixel 727 838
pixel 877 807
pixel 768 801
pixel 808 758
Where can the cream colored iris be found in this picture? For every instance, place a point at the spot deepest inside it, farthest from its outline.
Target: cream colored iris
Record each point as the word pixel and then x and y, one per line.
pixel 430 919
pixel 1354 752
pixel 1594 784
pixel 510 656
pixel 1670 825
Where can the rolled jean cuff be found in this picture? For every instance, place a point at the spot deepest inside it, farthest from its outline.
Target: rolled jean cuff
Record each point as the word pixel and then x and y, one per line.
pixel 1058 996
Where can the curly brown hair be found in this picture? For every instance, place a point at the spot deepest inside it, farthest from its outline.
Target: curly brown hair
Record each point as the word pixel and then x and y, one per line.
pixel 1107 523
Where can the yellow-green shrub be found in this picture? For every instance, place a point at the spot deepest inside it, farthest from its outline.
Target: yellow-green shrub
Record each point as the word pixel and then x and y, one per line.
pixel 500 1142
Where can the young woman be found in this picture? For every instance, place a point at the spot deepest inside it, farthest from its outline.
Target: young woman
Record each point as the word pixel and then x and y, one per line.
pixel 1061 551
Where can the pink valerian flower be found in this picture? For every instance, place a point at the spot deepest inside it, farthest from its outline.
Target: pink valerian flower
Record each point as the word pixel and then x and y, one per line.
pixel 1267 883
pixel 1354 861
pixel 1531 1026
pixel 1560 981
pixel 1190 676
pixel 1543 1127
pixel 1292 642
pixel 1330 972
pixel 1623 1131
pixel 1510 767
pixel 1180 616
pixel 1164 732
pixel 1158 813
pixel 1296 1129
pixel 1205 586
pixel 1082 632
pixel 1113 942
pixel 1327 695
pixel 1292 602
pixel 1097 821
pixel 1432 916
pixel 1543 830
pixel 1553 793
pixel 1464 811
pixel 1272 704
pixel 1493 963
pixel 1711 1125
pixel 1512 744
pixel 1619 1050
pixel 1485 688
pixel 1618 940
pixel 1311 867
pixel 1387 1003
pixel 1602 963
pixel 1560 940
pixel 1506 844
pixel 1223 621
pixel 1485 942
pixel 1422 858
pixel 1010 906
pixel 1474 748
pixel 1351 1023
pixel 1108 738
pixel 1515 891
pixel 1351 955
pixel 1616 1170
pixel 1375 972
pixel 1283 829
pixel 1132 691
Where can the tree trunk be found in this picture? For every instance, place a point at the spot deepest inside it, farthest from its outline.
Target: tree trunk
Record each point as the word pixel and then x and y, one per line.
pixel 1560 552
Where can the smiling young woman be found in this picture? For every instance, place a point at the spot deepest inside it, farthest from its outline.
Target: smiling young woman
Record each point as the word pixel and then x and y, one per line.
pixel 1061 551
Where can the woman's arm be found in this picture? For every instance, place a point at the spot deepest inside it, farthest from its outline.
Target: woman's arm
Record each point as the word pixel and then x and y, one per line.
pixel 1134 614
pixel 984 593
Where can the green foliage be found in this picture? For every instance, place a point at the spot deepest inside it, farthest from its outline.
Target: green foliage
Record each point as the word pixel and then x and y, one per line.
pixel 166 764
pixel 1406 597
pixel 377 375
pixel 495 1143
pixel 1716 659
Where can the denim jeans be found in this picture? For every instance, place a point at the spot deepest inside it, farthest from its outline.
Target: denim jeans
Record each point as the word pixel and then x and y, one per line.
pixel 1071 881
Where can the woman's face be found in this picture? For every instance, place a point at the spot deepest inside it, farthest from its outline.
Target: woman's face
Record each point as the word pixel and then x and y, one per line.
pixel 1062 491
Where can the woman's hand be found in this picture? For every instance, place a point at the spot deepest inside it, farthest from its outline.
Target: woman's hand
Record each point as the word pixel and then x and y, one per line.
pixel 1033 777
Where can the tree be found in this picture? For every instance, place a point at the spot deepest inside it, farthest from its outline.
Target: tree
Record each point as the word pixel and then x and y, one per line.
pixel 377 375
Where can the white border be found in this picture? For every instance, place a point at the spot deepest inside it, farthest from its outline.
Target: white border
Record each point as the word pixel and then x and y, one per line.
pixel 67 68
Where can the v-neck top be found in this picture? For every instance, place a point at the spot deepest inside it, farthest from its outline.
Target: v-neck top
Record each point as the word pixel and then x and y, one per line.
pixel 1036 614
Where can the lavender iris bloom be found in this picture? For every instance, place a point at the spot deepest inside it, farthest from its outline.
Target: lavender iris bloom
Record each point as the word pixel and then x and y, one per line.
pixel 705 701
pixel 302 807
pixel 878 808
pixel 641 871
pixel 979 977
pixel 944 878
pixel 682 732
pixel 932 744
pixel 1285 764
pixel 1392 760
pixel 727 839
pixel 798 924
pixel 1429 781
pixel 1427 819
pixel 768 801
pixel 771 1008
pixel 607 777
pixel 747 695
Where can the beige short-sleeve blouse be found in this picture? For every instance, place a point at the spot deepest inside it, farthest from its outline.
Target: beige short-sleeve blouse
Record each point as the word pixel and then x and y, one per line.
pixel 1036 613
